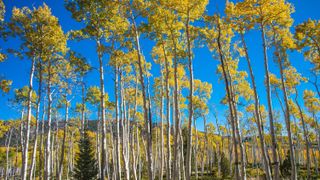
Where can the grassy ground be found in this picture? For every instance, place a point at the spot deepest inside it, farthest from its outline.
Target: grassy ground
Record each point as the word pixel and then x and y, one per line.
pixel 255 174
pixel 252 174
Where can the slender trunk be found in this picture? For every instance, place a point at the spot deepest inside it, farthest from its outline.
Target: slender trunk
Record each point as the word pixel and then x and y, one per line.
pixel 297 149
pixel 21 132
pixel 206 140
pixel 287 118
pixel 145 108
pixel 202 163
pixel 266 66
pixel 135 131
pixel 235 144
pixel 104 159
pixel 118 165
pixel 156 154
pixel 230 148
pixel 41 156
pixel 317 131
pixel 132 146
pixel 8 142
pixel 176 113
pixel 242 153
pixel 237 128
pixel 182 167
pixel 258 117
pixel 37 126
pixel 149 116
pixel 168 171
pixel 72 152
pixel 127 135
pixel 220 145
pixel 161 131
pixel 138 154
pixel 34 152
pixel 47 170
pixel 27 133
pixel 98 141
pixel 190 67
pixel 196 149
pixel 65 129
pixel 111 142
pixel 124 133
pixel 219 158
pixel 68 159
pixel 54 149
pixel 82 107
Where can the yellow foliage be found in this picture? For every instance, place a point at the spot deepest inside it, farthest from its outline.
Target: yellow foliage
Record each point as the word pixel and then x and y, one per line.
pixel 311 101
pixel 307 35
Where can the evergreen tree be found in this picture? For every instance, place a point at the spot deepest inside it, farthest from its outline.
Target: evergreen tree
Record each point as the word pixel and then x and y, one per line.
pixel 285 167
pixel 225 166
pixel 86 165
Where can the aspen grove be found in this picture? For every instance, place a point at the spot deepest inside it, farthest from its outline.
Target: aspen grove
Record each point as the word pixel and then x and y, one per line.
pixel 119 89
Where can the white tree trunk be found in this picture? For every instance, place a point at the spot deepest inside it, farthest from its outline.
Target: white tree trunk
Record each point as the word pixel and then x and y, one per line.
pixel 65 129
pixel 47 171
pixel 8 142
pixel 24 170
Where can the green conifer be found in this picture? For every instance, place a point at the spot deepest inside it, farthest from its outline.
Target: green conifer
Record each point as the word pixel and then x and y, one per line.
pixel 285 167
pixel 225 166
pixel 86 165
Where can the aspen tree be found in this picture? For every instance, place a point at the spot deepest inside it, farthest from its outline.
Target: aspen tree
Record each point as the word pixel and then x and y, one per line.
pixel 282 40
pixel 40 89
pixel 30 27
pixel 202 93
pixel 4 83
pixel 134 10
pixel 70 67
pixel 164 22
pixel 81 68
pixel 25 21
pixel 101 19
pixel 161 58
pixel 239 89
pixel 308 41
pixel 311 102
pixel 189 11
pixel 243 21
pixel 21 98
pixel 218 39
pixel 122 67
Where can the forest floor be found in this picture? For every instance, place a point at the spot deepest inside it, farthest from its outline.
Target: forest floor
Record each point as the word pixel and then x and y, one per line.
pixel 254 174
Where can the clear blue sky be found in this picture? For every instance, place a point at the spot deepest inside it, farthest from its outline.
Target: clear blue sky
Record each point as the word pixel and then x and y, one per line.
pixel 204 65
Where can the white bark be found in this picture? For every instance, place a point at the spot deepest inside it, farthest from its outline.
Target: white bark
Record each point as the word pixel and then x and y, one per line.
pixel 47 170
pixel 8 142
pixel 24 170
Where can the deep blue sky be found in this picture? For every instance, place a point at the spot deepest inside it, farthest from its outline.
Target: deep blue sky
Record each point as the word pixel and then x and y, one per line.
pixel 204 65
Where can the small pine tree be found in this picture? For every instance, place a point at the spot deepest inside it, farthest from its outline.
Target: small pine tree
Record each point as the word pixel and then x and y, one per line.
pixel 285 167
pixel 86 165
pixel 225 166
